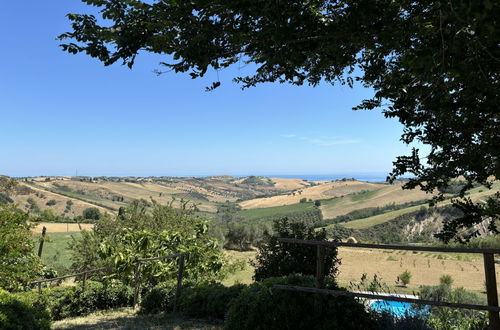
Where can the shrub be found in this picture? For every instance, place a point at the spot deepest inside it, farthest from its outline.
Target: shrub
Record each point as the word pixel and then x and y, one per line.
pixel 159 299
pixel 144 232
pixel 260 306
pixel 63 302
pixel 446 280
pixel 51 202
pixel 19 264
pixel 98 296
pixel 442 318
pixel 17 313
pixel 209 300
pixel 91 213
pixel 275 258
pixel 405 277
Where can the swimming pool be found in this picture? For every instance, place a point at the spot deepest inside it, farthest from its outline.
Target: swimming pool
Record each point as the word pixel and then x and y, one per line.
pixel 398 309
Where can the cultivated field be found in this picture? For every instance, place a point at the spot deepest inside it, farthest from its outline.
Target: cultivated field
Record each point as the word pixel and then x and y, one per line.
pixel 324 190
pixel 110 194
pixel 475 194
pixel 53 227
pixel 386 194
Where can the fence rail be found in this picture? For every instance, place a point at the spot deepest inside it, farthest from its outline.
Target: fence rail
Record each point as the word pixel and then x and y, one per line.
pixel 137 274
pixel 84 274
pixel 180 275
pixel 489 270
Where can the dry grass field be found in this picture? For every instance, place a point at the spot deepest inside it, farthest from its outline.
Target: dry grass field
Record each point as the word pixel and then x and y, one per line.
pixel 53 227
pixel 110 195
pixel 42 196
pixel 387 194
pixel 426 268
pixel 289 184
pixel 323 190
pixel 467 270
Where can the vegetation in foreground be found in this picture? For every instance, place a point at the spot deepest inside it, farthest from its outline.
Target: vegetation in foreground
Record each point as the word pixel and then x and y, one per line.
pixel 142 231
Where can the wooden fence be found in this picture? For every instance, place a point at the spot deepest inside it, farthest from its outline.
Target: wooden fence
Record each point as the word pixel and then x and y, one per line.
pixel 137 274
pixel 180 274
pixel 489 270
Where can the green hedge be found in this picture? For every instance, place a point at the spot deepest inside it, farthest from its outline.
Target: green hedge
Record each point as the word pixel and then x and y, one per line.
pixel 20 313
pixel 209 300
pixel 260 306
pixel 63 302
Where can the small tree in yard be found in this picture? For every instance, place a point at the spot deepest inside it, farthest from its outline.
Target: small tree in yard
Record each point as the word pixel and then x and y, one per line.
pixel 275 258
pixel 151 230
pixel 405 277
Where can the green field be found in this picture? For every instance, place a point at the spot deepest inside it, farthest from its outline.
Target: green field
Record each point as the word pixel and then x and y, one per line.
pixel 255 214
pixel 364 195
pixel 476 193
pixel 55 249
pixel 380 218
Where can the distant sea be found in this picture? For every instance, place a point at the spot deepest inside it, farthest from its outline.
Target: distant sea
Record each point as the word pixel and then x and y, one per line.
pixel 367 177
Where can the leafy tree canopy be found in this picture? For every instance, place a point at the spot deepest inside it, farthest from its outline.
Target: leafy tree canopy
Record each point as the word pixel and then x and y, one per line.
pixel 433 65
pixel 276 258
pixel 18 263
pixel 147 230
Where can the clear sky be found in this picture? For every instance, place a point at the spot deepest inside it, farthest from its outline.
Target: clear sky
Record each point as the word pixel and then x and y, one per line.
pixel 60 113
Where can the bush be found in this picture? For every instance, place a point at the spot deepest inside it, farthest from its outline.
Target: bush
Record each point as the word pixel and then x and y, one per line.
pixel 260 306
pixel 63 302
pixel 209 300
pixel 159 299
pixel 442 318
pixel 51 202
pixel 446 280
pixel 98 296
pixel 19 264
pixel 18 313
pixel 278 259
pixel 91 213
pixel 405 277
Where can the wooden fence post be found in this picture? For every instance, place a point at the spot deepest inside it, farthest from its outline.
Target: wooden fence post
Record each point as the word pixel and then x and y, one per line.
pixel 179 283
pixel 137 283
pixel 84 282
pixel 42 239
pixel 320 278
pixel 491 288
pixel 39 288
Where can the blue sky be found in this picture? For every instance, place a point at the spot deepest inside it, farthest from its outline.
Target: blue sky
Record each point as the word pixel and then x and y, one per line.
pixel 61 113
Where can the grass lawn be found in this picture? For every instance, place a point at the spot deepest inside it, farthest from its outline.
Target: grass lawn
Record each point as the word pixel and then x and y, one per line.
pixel 128 318
pixel 55 249
pixel 254 214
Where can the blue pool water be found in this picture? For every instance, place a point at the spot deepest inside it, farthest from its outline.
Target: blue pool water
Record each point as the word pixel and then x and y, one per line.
pixel 398 309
